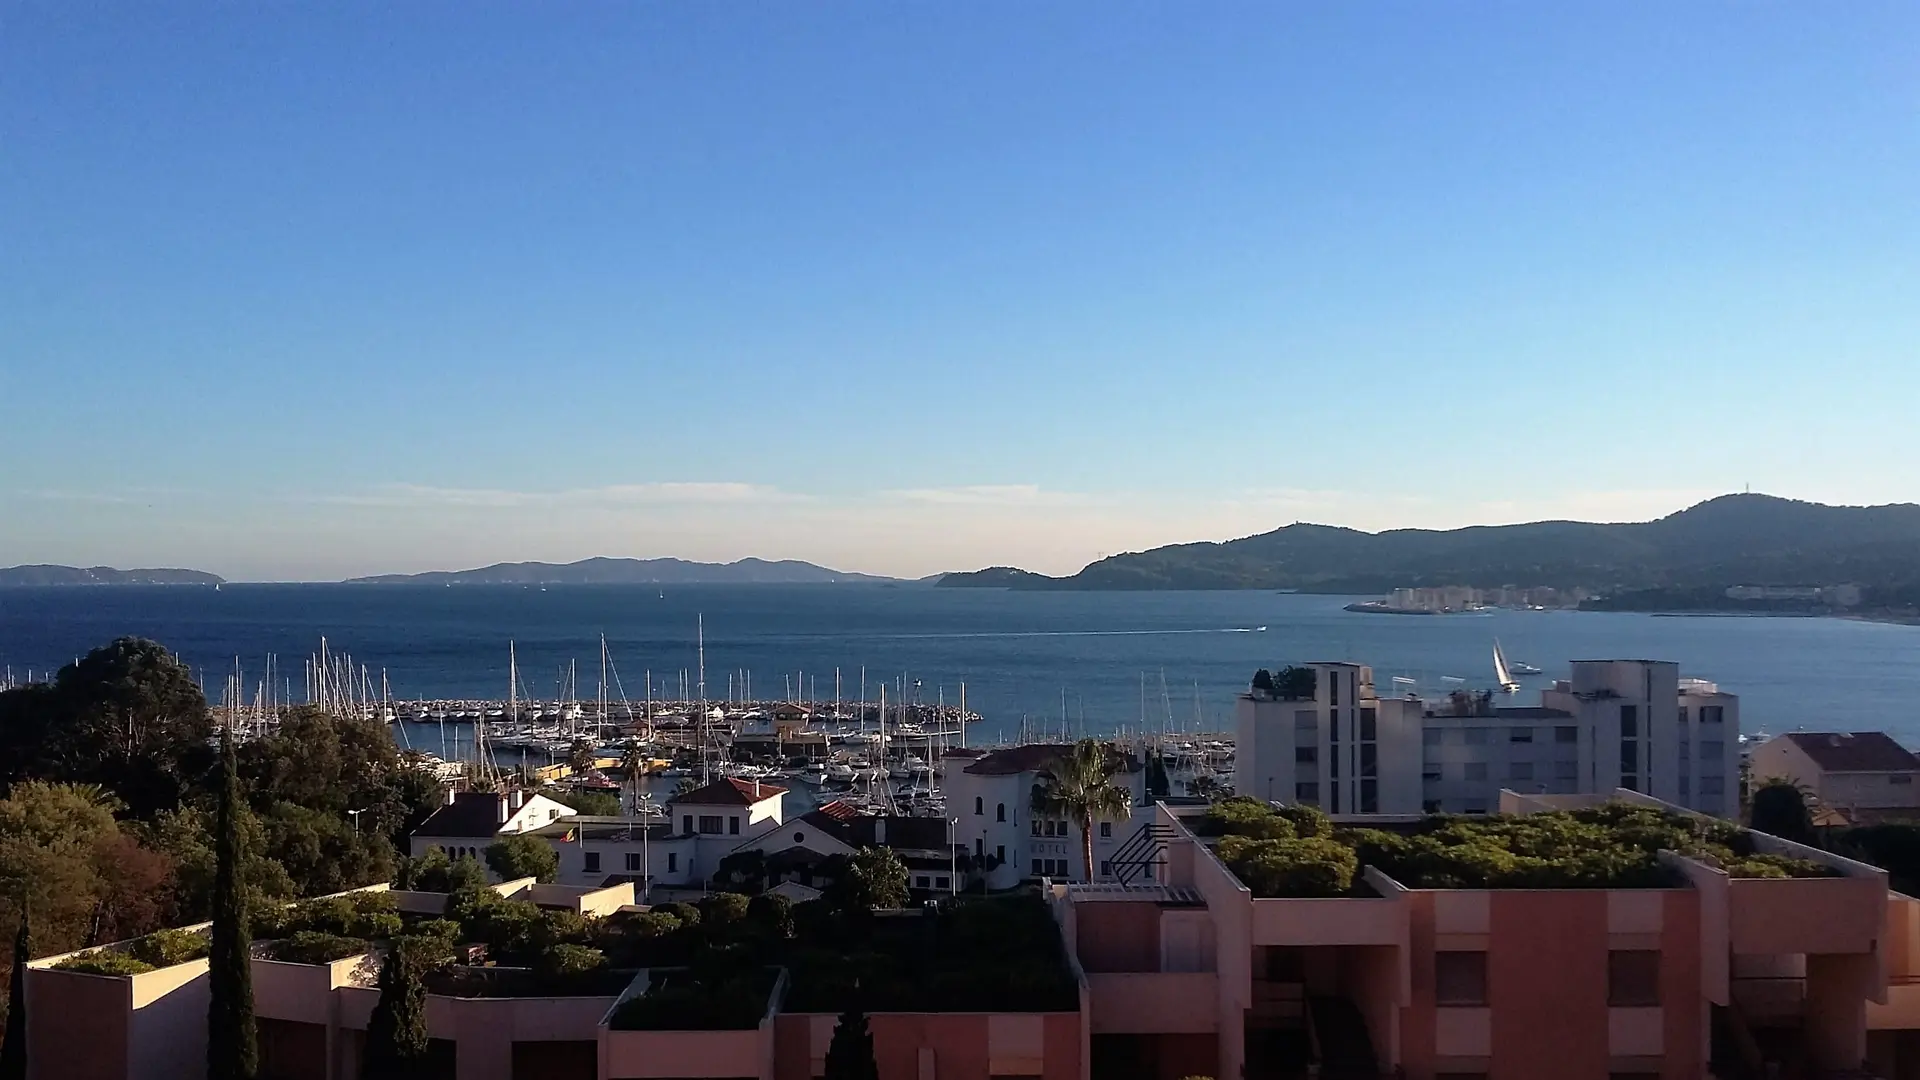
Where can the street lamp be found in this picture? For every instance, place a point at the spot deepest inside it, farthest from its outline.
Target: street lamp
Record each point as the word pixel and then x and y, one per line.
pixel 953 861
pixel 646 849
pixel 355 815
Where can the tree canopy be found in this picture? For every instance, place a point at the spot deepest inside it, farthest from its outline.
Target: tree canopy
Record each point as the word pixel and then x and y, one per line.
pixel 514 857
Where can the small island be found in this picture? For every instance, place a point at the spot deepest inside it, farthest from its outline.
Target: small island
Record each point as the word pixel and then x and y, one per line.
pixel 43 575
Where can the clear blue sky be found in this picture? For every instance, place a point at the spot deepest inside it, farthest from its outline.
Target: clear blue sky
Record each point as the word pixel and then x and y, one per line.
pixel 302 291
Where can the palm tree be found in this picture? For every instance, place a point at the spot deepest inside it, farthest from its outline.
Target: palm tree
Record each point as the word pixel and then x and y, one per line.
pixel 1080 785
pixel 633 764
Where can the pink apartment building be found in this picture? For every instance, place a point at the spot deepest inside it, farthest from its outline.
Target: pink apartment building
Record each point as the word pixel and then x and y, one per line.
pixel 1190 974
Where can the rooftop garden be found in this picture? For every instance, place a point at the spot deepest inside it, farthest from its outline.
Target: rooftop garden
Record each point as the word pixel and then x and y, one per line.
pixel 998 954
pixel 162 948
pixel 1298 852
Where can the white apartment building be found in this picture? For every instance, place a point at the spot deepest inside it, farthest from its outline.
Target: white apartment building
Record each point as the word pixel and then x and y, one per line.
pixel 1615 723
pixel 990 794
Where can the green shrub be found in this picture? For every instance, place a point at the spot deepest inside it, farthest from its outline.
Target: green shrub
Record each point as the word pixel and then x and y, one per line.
pixel 563 960
pixel 686 914
pixel 105 962
pixel 771 916
pixel 165 948
pixel 1310 867
pixel 314 947
pixel 723 909
pixel 1244 815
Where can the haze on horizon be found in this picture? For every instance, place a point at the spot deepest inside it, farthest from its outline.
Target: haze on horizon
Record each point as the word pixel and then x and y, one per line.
pixel 312 293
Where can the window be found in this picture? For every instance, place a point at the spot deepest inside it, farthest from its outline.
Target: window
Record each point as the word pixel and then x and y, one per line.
pixel 1369 796
pixel 1712 714
pixel 1305 722
pixel 1106 830
pixel 979 848
pixel 1683 715
pixel 633 862
pixel 1473 806
pixel 1432 773
pixel 1713 749
pixel 1306 793
pixel 1519 770
pixel 1476 770
pixel 1000 812
pixel 1519 734
pixel 689 823
pixel 1430 736
pixel 922 881
pixel 1900 778
pixel 1000 853
pixel 1566 734
pixel 593 862
pixel 1633 977
pixel 1629 756
pixel 1713 785
pixel 1476 736
pixel 733 825
pixel 1333 726
pixel 943 882
pixel 1369 759
pixel 979 806
pixel 1566 770
pixel 1306 755
pixel 1333 688
pixel 1686 749
pixel 673 861
pixel 1106 868
pixel 1629 721
pixel 1333 797
pixel 1367 719
pixel 799 838
pixel 710 823
pixel 1460 978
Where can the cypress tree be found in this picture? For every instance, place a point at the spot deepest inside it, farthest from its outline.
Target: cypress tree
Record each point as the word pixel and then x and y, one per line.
pixel 13 1054
pixel 397 1037
pixel 850 1054
pixel 232 1053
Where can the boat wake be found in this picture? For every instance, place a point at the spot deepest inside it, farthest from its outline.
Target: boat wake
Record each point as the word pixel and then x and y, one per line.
pixel 1065 633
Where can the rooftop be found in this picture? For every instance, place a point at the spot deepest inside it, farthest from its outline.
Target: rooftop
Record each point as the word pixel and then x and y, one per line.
pixel 1035 757
pixel 471 813
pixel 730 791
pixel 1297 851
pixel 1859 751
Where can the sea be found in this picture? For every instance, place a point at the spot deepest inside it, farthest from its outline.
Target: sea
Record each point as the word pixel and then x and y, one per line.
pixel 1035 664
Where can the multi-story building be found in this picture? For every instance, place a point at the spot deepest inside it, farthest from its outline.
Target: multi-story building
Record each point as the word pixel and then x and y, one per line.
pixel 1864 775
pixel 1631 724
pixel 990 794
pixel 1687 975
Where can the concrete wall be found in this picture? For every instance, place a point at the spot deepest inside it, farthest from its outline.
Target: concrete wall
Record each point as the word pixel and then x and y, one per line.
pixel 643 1055
pixel 1117 935
pixel 1154 1002
pixel 954 1046
pixel 78 1026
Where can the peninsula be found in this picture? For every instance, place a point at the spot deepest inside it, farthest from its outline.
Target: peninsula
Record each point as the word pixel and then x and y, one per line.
pixel 1735 552
pixel 37 575
pixel 604 571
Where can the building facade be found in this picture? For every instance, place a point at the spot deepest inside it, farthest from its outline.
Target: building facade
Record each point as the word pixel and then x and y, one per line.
pixel 990 799
pixel 1863 774
pixel 1631 724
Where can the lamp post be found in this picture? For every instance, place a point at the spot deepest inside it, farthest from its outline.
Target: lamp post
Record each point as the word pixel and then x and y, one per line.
pixel 646 849
pixel 953 861
pixel 355 815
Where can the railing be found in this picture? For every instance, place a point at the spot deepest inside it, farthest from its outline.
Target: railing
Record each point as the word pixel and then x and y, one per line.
pixel 1147 847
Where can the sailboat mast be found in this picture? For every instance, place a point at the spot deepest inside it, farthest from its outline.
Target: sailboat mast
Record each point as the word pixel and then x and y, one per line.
pixel 700 645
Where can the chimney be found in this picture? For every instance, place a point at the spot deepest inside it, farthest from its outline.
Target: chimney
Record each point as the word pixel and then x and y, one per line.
pixel 756 789
pixel 500 808
pixel 517 799
pixel 452 794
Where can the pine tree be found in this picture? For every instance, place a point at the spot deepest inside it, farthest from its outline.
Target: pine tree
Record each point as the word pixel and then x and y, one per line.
pixel 13 1054
pixel 232 1053
pixel 397 1031
pixel 850 1054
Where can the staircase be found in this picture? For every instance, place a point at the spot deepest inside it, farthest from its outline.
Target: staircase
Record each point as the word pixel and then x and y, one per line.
pixel 1146 848
pixel 1346 1050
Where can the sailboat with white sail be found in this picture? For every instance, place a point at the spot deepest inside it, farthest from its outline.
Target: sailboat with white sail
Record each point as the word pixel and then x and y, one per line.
pixel 1502 674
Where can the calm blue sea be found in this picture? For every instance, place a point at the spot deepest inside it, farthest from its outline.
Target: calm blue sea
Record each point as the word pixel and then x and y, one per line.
pixel 1017 652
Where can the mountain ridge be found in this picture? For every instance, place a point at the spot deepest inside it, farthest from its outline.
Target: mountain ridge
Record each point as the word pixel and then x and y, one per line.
pixel 1725 541
pixel 44 574
pixel 605 570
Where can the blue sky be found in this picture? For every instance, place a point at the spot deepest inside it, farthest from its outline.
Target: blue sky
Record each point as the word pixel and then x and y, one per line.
pixel 296 292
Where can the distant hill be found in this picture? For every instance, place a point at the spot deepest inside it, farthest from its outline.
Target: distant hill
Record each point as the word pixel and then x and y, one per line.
pixel 1731 540
pixel 995 577
pixel 602 571
pixel 16 576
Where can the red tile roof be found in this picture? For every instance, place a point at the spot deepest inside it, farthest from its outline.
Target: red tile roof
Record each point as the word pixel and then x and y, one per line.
pixel 837 810
pixel 729 791
pixel 1035 757
pixel 1860 751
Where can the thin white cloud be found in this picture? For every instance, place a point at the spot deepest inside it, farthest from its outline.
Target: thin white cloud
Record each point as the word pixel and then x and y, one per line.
pixel 612 495
pixel 988 495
